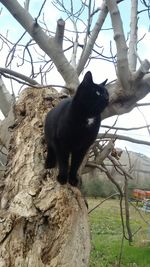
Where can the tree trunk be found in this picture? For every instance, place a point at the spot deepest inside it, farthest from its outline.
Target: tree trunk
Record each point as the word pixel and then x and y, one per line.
pixel 42 223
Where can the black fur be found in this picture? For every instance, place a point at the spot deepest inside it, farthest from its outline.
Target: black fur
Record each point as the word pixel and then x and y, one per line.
pixel 68 132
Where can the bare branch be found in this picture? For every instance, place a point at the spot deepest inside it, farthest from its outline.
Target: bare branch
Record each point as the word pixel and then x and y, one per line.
pixel 142 105
pixel 104 153
pixel 127 129
pixel 141 215
pixel 133 36
pixel 47 44
pixel 60 32
pixel 12 51
pixel 88 48
pixel 75 45
pixel 122 60
pixel 40 10
pixel 118 165
pixel 120 102
pixel 127 213
pixel 143 69
pixel 92 165
pixel 99 204
pixel 5 99
pixel 36 85
pixel 126 138
pixel 4 128
pixel 144 119
pixel 113 181
pixel 18 75
pixel 26 4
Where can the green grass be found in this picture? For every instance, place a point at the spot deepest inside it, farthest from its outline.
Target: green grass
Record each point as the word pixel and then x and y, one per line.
pixel 106 235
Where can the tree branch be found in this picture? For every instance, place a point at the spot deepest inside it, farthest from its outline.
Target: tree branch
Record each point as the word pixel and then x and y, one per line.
pixel 104 153
pixel 143 105
pixel 117 164
pixel 143 69
pixel 122 137
pixel 59 35
pixel 94 34
pixel 120 102
pixel 133 36
pixel 122 60
pixel 26 4
pixel 127 129
pixel 88 46
pixel 113 180
pixel 47 44
pixel 19 75
pixel 5 98
pixel 99 204
pixel 4 128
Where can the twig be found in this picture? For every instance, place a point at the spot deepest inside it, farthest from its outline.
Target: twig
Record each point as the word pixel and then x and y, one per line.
pixel 12 51
pixel 40 10
pixel 129 160
pixel 127 129
pixel 144 120
pixel 117 164
pixel 116 194
pixel 142 104
pixel 122 137
pixel 18 75
pixel 140 214
pixel 37 86
pixel 127 212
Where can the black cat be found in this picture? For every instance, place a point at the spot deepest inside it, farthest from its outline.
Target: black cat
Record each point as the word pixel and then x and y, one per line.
pixel 72 126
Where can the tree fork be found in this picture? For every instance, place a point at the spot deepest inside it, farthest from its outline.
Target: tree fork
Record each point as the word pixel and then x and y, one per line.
pixel 41 222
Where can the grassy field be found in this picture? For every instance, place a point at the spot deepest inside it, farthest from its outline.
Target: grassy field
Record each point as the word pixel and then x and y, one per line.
pixel 106 235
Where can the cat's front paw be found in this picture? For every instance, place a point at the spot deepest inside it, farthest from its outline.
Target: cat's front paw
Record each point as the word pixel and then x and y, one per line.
pixel 50 164
pixel 62 179
pixel 74 181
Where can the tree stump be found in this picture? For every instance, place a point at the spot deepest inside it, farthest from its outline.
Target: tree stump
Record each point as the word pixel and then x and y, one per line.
pixel 42 223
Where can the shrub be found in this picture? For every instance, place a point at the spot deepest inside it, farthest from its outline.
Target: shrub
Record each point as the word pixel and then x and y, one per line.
pixel 97 188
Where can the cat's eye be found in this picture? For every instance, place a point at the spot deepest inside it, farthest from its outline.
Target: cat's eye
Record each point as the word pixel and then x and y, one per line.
pixel 98 93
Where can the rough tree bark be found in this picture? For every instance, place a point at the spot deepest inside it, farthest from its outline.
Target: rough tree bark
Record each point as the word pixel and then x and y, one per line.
pixel 42 223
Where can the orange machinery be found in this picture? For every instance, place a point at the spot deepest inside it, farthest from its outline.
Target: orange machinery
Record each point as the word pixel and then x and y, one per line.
pixel 141 194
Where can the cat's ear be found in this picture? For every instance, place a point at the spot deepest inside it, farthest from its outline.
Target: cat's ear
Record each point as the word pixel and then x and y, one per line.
pixel 103 83
pixel 88 78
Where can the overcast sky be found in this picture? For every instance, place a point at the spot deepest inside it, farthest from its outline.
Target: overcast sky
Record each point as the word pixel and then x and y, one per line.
pixel 100 69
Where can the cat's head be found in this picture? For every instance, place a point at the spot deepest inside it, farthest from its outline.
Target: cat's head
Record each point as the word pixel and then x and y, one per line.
pixel 91 96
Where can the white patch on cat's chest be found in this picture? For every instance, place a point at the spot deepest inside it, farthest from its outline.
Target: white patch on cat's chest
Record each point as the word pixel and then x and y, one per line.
pixel 90 121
